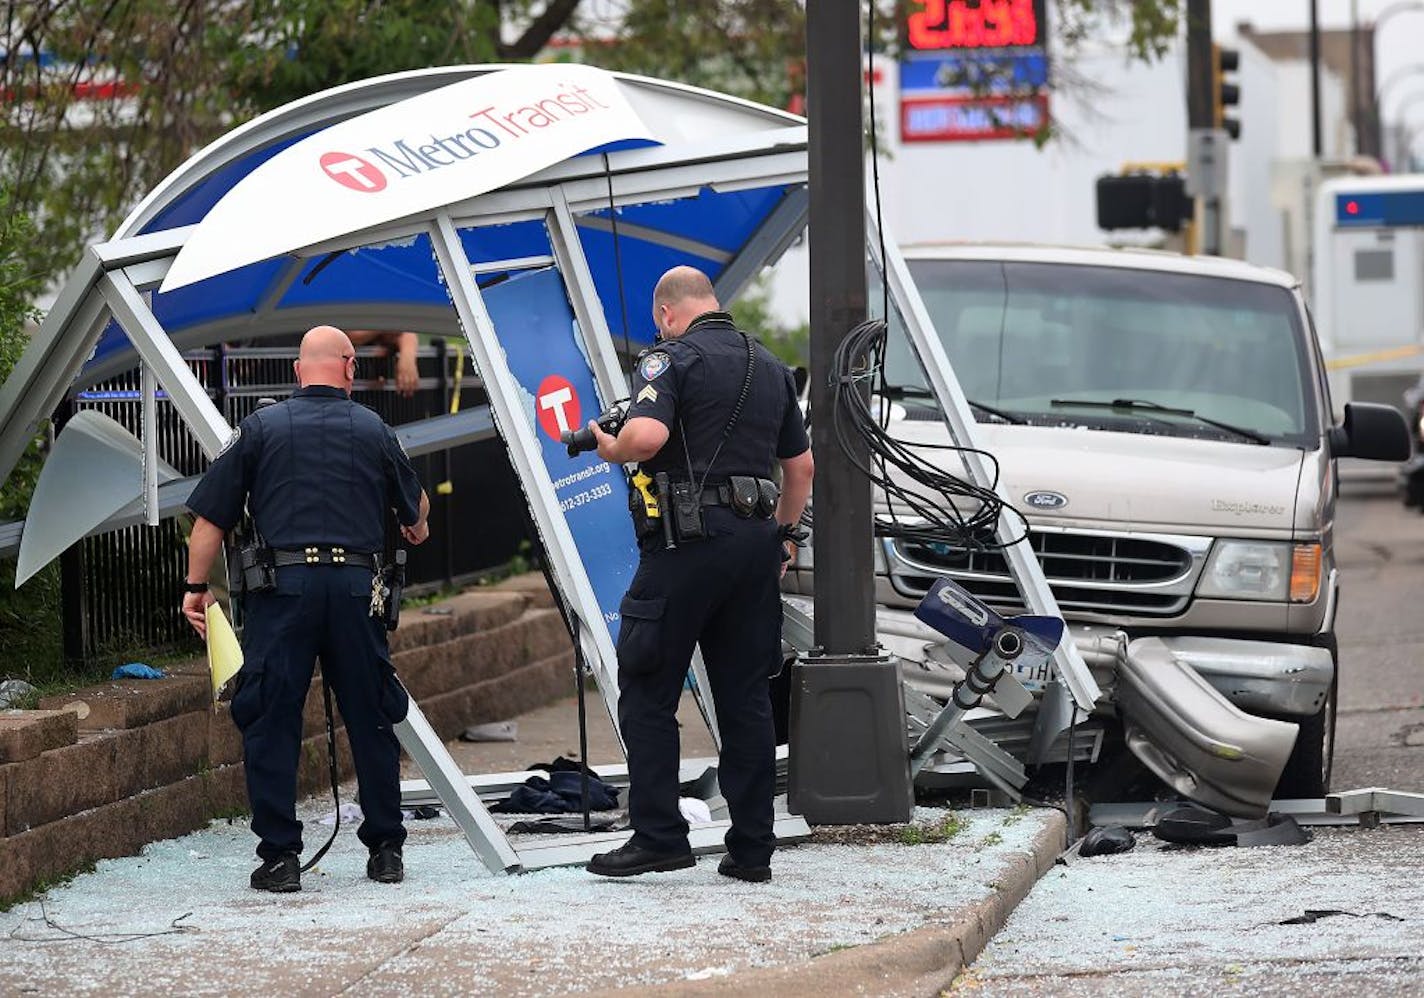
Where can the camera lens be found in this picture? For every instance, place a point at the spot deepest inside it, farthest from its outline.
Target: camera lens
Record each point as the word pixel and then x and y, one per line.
pixel 578 441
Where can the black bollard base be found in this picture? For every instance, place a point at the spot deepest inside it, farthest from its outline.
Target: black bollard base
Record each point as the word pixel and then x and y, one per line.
pixel 849 751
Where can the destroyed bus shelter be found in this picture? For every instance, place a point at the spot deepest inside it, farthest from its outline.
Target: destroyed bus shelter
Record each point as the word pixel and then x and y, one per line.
pixel 543 261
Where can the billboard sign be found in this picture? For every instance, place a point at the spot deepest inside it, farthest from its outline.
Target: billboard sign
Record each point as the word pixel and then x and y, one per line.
pixel 974 70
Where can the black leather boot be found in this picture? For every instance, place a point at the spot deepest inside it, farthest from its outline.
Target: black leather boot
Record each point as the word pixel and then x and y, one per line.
pixel 629 860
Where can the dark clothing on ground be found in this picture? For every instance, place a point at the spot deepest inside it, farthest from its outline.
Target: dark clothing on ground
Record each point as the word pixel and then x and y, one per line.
pixel 721 592
pixel 316 470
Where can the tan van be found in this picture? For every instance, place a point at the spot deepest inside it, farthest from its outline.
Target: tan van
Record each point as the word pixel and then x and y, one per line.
pixel 1164 424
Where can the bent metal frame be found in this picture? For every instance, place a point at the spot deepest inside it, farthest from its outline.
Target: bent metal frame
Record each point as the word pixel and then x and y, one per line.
pixel 114 278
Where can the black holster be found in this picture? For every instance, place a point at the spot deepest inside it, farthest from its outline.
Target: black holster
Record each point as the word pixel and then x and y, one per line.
pixel 393 581
pixel 256 568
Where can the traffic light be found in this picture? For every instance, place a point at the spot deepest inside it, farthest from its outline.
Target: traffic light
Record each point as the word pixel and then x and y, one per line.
pixel 1143 201
pixel 1225 94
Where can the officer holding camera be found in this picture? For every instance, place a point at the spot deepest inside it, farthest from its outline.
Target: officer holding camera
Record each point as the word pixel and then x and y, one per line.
pixel 711 413
pixel 318 474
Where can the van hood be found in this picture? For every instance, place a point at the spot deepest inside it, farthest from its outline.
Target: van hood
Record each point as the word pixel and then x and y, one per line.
pixel 1139 482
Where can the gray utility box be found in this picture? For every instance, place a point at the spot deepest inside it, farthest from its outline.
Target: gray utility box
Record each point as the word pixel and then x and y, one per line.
pixel 850 757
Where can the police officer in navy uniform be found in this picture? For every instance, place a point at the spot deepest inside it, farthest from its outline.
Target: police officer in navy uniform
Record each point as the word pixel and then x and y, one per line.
pixel 696 418
pixel 318 473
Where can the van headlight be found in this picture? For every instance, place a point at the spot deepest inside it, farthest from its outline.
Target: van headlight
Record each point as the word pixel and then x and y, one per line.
pixel 1262 570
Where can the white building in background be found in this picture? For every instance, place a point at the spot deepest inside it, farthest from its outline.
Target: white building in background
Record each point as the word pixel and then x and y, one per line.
pixel 1123 111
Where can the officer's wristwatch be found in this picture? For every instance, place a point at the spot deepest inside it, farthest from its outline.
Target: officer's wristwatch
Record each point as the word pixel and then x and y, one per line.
pixel 194 587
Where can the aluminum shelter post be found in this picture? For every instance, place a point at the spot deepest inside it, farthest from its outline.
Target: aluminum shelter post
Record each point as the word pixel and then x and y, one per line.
pixel 161 357
pixel 148 386
pixel 422 743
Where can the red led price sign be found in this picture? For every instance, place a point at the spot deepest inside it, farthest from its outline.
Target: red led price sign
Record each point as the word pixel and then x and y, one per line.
pixel 975 24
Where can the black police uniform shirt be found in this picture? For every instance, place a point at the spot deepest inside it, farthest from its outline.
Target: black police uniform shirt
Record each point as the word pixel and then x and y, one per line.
pixel 690 384
pixel 317 469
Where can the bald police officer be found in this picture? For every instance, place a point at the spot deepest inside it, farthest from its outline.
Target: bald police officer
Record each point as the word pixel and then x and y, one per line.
pixel 711 413
pixel 318 473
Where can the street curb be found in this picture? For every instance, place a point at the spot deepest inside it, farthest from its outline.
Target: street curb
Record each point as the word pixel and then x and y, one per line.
pixel 924 961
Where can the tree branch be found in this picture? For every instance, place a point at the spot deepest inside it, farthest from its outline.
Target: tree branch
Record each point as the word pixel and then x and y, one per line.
pixel 556 14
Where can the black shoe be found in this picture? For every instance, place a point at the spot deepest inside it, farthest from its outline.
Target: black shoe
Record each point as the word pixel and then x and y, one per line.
pixel 751 874
pixel 385 866
pixel 629 860
pixel 282 875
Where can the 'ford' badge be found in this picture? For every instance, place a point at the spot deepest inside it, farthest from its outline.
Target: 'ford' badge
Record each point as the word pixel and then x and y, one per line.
pixel 1046 500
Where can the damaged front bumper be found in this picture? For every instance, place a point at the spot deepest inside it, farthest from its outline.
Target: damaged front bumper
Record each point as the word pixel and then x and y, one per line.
pixel 1263 677
pixel 1184 705
pixel 1191 707
pixel 1196 740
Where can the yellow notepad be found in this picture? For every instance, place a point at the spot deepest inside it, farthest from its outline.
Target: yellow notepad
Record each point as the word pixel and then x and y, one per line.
pixel 224 651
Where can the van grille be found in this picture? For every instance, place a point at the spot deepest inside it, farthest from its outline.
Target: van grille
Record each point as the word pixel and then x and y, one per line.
pixel 1088 572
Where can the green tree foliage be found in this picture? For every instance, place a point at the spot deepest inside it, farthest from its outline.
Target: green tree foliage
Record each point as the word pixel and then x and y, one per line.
pixel 188 71
pixel 29 630
pixel 752 312
pixel 19 286
pixel 751 48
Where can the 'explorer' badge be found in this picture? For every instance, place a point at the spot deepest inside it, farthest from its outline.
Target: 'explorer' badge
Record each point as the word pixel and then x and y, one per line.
pixel 1046 500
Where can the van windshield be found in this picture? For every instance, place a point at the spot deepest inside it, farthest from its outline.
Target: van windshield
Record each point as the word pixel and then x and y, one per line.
pixel 1112 348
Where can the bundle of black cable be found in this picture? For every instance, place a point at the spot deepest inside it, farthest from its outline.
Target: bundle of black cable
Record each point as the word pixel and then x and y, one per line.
pixel 925 501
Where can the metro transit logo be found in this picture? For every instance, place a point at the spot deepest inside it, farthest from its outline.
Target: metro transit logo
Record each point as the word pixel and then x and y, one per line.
pixel 353 172
pixel 558 406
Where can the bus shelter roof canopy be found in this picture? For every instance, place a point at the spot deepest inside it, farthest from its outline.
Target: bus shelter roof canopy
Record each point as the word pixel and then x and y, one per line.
pixel 708 180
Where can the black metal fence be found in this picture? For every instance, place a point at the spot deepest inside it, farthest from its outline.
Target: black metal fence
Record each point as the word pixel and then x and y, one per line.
pixel 120 589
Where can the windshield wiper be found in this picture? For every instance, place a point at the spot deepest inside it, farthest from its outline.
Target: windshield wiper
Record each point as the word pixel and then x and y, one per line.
pixel 1008 417
pixel 1129 405
pixel 917 392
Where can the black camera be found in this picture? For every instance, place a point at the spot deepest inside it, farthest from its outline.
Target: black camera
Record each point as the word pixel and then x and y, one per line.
pixel 610 420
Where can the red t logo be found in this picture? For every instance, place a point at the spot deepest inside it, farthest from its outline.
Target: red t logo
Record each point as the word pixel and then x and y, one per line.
pixel 353 172
pixel 558 406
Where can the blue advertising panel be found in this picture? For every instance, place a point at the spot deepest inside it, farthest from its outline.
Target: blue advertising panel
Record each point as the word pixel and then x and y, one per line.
pixel 943 74
pixel 535 326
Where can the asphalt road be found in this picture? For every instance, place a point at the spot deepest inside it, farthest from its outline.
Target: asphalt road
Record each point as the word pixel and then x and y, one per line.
pixel 1164 919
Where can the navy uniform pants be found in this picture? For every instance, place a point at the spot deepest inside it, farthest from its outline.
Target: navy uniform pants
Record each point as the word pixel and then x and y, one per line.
pixel 723 593
pixel 317 611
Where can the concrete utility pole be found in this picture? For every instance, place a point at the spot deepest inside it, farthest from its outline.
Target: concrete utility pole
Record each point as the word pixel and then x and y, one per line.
pixel 1206 144
pixel 849 760
pixel 845 616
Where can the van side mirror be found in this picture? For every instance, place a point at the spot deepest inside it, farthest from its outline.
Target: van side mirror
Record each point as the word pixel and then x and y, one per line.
pixel 1373 432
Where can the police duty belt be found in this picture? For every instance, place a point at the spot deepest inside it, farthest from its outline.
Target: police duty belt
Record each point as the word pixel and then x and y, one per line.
pixel 323 556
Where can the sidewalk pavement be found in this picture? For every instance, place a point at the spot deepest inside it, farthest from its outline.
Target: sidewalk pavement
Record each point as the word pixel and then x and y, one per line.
pixel 854 911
